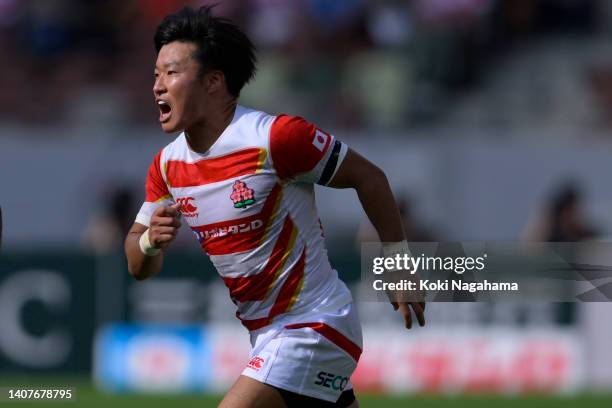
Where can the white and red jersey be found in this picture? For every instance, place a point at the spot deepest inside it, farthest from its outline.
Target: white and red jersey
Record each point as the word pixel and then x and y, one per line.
pixel 250 203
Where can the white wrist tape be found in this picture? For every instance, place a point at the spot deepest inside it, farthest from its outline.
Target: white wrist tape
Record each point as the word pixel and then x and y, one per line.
pixel 145 245
pixel 391 249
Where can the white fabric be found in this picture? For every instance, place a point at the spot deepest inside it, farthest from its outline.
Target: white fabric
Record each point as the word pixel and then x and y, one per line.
pixel 213 206
pixel 302 360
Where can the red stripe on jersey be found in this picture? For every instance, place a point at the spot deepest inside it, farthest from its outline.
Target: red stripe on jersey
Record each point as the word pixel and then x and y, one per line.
pixel 239 235
pixel 290 288
pixel 296 146
pixel 332 335
pixel 285 298
pixel 255 287
pixel 155 186
pixel 254 324
pixel 240 163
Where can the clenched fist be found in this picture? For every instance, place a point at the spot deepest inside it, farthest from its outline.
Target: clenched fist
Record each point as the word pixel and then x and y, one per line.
pixel 164 226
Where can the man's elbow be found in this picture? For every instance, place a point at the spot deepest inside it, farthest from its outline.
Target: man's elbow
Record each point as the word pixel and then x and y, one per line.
pixel 135 268
pixel 139 277
pixel 378 174
pixel 375 176
pixel 136 273
pixel 141 269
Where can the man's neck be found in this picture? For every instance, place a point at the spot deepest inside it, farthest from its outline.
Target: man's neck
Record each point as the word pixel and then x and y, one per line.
pixel 202 135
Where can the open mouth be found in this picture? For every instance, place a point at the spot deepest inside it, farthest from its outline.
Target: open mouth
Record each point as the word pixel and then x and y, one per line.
pixel 164 111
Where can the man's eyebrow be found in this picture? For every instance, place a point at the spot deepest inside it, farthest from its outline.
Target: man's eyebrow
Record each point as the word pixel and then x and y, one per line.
pixel 169 64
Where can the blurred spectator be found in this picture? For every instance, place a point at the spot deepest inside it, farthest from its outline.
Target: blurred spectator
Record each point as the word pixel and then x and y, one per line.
pixel 273 23
pixel 564 219
pixel 106 231
pixel 414 229
pixel 344 63
pixel 390 23
pixel 567 220
pixel 599 77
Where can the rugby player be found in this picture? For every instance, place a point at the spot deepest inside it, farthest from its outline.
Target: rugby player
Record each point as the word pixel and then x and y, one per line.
pixel 243 180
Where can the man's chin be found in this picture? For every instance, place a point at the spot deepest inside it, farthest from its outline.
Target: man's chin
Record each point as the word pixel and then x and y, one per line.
pixel 169 127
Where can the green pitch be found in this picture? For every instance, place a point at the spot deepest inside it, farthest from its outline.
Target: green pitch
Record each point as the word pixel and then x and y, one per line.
pixel 88 396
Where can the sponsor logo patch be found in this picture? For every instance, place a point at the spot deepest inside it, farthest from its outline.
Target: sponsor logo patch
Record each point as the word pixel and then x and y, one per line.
pixel 186 207
pixel 256 363
pixel 219 232
pixel 197 236
pixel 330 380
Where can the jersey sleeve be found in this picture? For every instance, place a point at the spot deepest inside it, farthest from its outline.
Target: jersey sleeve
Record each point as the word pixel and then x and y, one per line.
pixel 302 152
pixel 156 190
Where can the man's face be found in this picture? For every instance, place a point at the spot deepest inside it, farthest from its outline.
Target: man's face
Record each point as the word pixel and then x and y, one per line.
pixel 179 89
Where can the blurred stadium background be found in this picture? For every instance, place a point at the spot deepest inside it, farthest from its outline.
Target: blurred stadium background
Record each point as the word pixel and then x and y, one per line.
pixel 492 119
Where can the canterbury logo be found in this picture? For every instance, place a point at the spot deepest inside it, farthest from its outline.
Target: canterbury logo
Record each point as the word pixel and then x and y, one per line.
pixel 186 207
pixel 256 363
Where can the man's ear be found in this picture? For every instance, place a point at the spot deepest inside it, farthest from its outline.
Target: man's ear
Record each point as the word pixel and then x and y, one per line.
pixel 215 81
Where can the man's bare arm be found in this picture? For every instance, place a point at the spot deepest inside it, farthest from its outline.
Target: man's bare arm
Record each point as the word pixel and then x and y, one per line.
pixel 163 230
pixel 374 192
pixel 378 202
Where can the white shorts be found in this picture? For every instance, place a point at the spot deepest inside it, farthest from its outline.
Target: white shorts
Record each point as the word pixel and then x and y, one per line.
pixel 312 355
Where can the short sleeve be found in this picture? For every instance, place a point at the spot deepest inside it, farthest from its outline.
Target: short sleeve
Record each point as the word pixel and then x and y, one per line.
pixel 302 152
pixel 156 192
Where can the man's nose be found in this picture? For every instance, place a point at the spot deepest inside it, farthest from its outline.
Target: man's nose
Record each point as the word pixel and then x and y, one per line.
pixel 159 87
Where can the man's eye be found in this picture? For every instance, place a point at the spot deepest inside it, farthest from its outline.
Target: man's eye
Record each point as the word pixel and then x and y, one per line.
pixel 171 72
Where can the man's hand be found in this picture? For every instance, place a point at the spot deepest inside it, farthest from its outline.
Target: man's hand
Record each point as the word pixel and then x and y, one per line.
pixel 404 301
pixel 164 226
pixel 404 308
pixel 378 202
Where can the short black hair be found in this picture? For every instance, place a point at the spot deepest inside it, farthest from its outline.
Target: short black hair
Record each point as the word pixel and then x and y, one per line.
pixel 221 44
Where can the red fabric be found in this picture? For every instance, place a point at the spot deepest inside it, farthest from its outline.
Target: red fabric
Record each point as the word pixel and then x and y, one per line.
pixel 255 287
pixel 290 288
pixel 155 186
pixel 229 243
pixel 295 145
pixel 332 335
pixel 236 164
